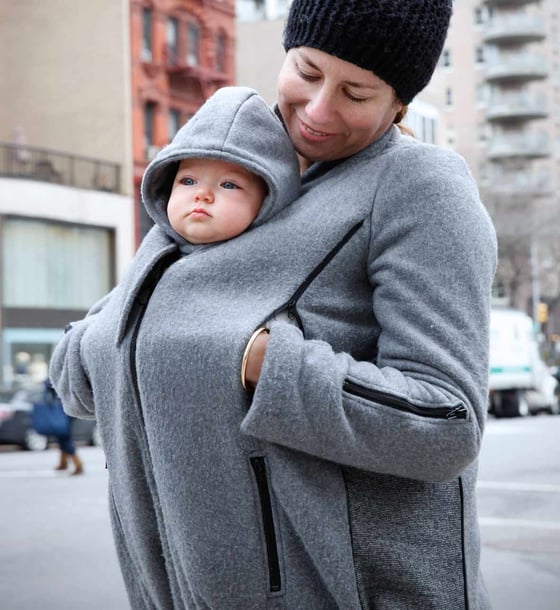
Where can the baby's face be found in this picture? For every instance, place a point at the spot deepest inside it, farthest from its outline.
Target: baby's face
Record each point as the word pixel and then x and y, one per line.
pixel 212 200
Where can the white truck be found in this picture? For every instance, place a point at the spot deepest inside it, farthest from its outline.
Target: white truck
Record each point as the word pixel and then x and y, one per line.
pixel 520 382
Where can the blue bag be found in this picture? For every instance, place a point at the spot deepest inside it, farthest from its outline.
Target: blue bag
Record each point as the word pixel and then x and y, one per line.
pixel 48 417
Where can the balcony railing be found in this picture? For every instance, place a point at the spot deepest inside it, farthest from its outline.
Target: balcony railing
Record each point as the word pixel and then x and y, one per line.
pixel 520 145
pixel 519 28
pixel 521 66
pixel 31 163
pixel 519 182
pixel 516 107
pixel 509 3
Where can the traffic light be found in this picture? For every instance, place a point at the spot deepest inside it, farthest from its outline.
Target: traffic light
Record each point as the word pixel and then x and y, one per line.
pixel 542 312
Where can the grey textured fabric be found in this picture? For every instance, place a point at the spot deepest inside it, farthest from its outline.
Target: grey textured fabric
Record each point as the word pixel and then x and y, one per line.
pixel 347 480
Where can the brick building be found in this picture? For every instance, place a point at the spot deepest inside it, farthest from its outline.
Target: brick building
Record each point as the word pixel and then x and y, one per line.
pixel 181 52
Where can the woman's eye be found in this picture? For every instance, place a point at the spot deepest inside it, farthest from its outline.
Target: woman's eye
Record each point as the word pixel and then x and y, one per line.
pixel 354 98
pixel 305 75
pixel 229 185
pixel 187 181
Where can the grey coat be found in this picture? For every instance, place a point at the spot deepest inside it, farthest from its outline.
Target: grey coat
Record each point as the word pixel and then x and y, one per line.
pixel 347 481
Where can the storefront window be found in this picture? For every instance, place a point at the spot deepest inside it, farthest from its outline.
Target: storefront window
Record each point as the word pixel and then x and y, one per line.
pixel 26 356
pixel 52 265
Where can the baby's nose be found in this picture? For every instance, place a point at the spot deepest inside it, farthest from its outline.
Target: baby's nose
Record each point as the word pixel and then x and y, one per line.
pixel 204 194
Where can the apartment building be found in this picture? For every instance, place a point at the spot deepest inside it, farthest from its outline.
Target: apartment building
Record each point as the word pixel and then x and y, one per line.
pixel 501 76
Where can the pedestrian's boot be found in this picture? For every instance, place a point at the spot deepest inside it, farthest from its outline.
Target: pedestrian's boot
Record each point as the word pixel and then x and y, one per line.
pixel 63 463
pixel 78 466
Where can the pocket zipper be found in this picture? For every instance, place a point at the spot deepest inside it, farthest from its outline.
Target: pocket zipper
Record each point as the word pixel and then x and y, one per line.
pixel 275 581
pixel 457 411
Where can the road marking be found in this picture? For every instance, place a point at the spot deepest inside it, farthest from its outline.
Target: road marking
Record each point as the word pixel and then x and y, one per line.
pixel 519 523
pixel 52 474
pixel 15 474
pixel 527 487
pixel 510 431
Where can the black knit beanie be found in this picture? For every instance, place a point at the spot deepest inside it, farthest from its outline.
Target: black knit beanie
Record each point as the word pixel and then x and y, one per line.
pixel 400 41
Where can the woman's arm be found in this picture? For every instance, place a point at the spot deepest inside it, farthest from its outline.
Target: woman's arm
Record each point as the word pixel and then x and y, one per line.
pixel 419 410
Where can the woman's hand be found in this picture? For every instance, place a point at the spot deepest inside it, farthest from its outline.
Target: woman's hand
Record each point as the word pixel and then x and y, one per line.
pixel 253 358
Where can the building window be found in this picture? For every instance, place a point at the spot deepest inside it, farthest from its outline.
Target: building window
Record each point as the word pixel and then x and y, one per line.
pixel 221 52
pixel 149 115
pixel 429 128
pixel 478 15
pixel 146 34
pixel 172 41
pixel 193 45
pixel 446 58
pixel 449 97
pixel 450 138
pixel 54 265
pixel 173 122
pixel 481 93
pixel 479 55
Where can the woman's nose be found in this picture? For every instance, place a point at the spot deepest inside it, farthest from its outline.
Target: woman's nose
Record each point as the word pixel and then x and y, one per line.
pixel 320 107
pixel 204 194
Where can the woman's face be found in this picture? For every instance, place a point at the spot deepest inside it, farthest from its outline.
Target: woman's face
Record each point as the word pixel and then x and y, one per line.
pixel 332 108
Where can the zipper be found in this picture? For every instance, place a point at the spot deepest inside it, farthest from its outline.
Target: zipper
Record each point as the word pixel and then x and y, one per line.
pixel 291 306
pixel 274 577
pixel 458 411
pixel 463 550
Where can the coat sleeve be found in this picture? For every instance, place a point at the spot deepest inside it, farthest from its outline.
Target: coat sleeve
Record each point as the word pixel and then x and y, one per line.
pixel 419 410
pixel 66 370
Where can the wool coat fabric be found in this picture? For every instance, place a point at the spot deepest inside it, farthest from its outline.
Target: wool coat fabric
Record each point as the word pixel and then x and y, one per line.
pixel 347 480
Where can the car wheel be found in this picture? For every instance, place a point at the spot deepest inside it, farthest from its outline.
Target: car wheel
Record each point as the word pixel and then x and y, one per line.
pixel 554 408
pixel 96 437
pixel 514 404
pixel 522 406
pixel 34 441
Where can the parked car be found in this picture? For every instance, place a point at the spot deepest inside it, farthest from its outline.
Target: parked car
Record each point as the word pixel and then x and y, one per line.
pixel 16 429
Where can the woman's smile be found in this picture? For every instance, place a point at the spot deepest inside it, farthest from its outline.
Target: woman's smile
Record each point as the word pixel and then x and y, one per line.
pixel 315 133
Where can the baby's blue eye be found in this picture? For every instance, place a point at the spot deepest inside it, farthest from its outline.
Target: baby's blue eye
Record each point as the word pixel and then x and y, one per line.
pixel 187 181
pixel 229 185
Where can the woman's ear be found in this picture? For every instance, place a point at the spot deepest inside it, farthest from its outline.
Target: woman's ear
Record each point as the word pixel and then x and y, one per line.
pixel 400 111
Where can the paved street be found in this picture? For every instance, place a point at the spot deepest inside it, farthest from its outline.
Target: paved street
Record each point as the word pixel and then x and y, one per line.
pixel 519 509
pixel 56 551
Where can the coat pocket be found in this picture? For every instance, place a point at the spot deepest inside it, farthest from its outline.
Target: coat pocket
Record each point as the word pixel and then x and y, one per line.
pixel 408 541
pixel 270 533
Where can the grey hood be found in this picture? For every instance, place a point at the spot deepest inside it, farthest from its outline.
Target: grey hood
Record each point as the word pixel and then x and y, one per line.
pixel 235 125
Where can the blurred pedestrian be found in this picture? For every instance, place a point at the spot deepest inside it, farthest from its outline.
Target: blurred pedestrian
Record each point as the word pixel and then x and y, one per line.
pixel 68 452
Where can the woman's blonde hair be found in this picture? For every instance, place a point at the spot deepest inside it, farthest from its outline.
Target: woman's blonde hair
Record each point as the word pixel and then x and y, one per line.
pixel 398 121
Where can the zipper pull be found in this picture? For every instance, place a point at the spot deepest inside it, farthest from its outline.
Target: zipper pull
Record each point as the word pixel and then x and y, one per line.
pixel 291 310
pixel 459 412
pixel 293 314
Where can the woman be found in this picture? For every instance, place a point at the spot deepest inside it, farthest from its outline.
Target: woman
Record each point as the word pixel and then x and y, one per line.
pixel 344 476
